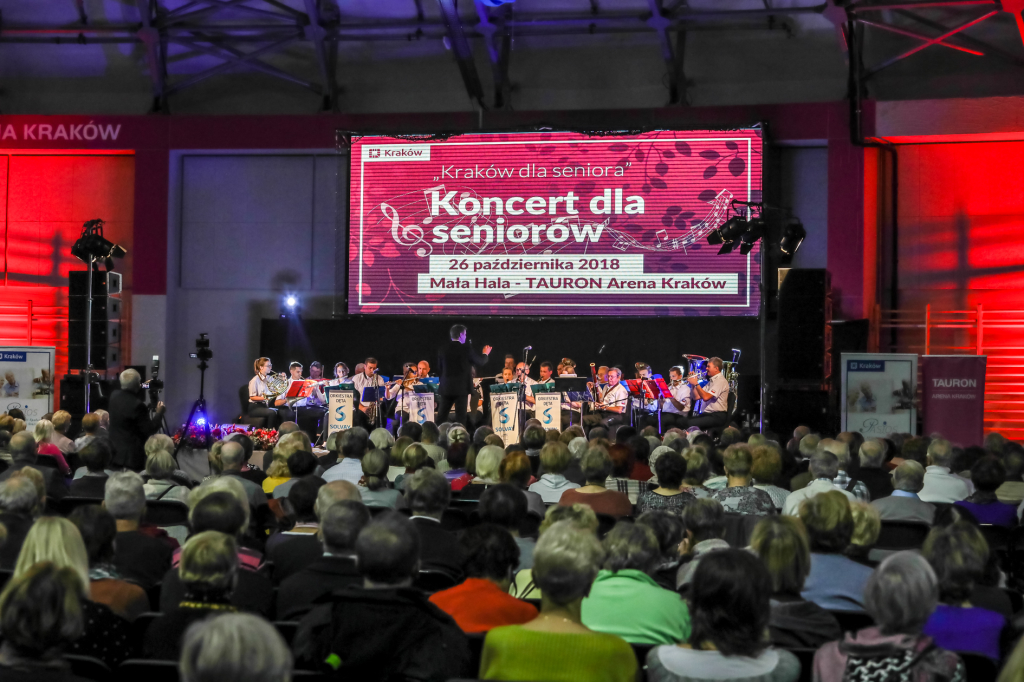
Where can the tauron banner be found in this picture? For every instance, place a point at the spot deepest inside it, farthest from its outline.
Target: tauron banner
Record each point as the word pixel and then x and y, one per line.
pixel 552 223
pixel 953 397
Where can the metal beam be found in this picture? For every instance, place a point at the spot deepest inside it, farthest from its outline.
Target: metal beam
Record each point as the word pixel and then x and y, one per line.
pixel 228 65
pixel 228 53
pixel 880 6
pixel 911 34
pixel 661 24
pixel 155 57
pixel 990 50
pixel 931 41
pixel 316 34
pixel 463 52
pixel 498 40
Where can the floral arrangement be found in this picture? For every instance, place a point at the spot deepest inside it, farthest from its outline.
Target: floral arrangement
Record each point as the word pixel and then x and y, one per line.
pixel 262 439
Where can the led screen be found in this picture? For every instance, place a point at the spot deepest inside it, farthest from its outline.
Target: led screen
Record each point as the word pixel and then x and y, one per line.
pixel 552 223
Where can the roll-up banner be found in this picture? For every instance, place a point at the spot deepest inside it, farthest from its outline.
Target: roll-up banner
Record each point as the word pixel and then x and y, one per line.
pixel 505 416
pixel 878 393
pixel 26 381
pixel 548 410
pixel 421 408
pixel 340 404
pixel 953 397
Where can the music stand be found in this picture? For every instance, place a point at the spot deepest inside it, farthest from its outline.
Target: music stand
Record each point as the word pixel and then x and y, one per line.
pixel 657 389
pixel 375 394
pixel 569 386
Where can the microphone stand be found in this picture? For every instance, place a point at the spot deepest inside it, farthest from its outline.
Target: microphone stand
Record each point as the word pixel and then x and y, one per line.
pixel 521 394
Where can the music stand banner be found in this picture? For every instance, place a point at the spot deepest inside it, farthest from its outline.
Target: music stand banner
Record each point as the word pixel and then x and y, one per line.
pixel 26 380
pixel 878 393
pixel 421 407
pixel 548 409
pixel 953 397
pixel 552 223
pixel 505 417
pixel 340 406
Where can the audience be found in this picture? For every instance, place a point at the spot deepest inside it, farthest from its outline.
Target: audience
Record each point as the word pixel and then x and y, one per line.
pixel 487 465
pixel 958 554
pixel 43 434
pixel 782 544
pixel 840 447
pixel 96 456
pixel 23 453
pixel 515 468
pixel 940 485
pixel 835 581
pixel 160 466
pixel 138 556
pixel 428 495
pixel 580 515
pixel 482 602
pixel 670 468
pixel 232 458
pixel 705 526
pixel 90 429
pixel 620 479
pixel 98 530
pixel 739 496
pixel 294 549
pixel 900 596
pixel 730 615
pixel 823 470
pixel 20 504
pixel 655 615
pixel 987 475
pixel 765 469
pixel 904 504
pixel 560 647
pixel 878 481
pixel 234 647
pixel 867 525
pixel 505 506
pixel 353 446
pixel 555 459
pixel 375 491
pixel 597 467
pixel 669 530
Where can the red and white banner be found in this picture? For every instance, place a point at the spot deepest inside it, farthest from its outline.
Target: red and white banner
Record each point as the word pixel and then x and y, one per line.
pixel 953 397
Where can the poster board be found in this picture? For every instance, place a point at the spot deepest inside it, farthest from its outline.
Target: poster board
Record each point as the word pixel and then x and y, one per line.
pixel 548 409
pixel 878 393
pixel 953 397
pixel 505 416
pixel 340 406
pixel 421 407
pixel 26 380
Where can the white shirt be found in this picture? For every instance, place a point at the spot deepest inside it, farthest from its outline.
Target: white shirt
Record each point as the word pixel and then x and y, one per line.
pixel 821 485
pixel 943 487
pixel 348 469
pixel 258 387
pixel 718 387
pixel 616 396
pixel 362 382
pixel 680 393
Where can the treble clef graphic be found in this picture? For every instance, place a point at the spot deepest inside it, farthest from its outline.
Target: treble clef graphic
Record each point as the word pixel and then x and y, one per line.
pixel 406 235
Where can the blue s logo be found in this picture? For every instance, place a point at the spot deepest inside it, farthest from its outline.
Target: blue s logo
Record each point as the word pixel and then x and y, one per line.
pixel 503 415
pixel 339 413
pixel 547 415
pixel 421 413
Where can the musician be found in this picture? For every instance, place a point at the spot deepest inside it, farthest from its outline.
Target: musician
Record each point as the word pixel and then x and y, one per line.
pixel 602 374
pixel 613 399
pixel 675 409
pixel 262 402
pixel 647 406
pixel 368 378
pixel 340 373
pixel 455 361
pixel 410 374
pixel 423 370
pixel 510 362
pixel 309 411
pixel 710 403
pixel 547 376
pixel 567 368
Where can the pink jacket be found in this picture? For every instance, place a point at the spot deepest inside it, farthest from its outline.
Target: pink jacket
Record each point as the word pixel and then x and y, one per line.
pixel 928 662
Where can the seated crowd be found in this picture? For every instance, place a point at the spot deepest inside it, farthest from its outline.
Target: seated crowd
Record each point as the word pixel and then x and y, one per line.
pixel 440 554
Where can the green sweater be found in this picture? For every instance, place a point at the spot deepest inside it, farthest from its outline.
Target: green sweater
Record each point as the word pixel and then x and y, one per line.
pixel 628 603
pixel 514 653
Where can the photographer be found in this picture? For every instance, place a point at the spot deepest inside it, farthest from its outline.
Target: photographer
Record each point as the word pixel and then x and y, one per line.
pixel 130 422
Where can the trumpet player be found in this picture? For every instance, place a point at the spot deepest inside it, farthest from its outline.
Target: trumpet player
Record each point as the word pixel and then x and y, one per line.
pixel 614 399
pixel 675 408
pixel 263 402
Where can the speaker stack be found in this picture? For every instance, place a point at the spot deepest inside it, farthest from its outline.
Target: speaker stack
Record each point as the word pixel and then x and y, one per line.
pixel 106 320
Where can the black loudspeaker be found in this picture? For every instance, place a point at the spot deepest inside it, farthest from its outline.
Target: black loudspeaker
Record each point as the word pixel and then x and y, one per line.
pixel 104 308
pixel 104 357
pixel 103 283
pixel 103 333
pixel 804 329
pixel 788 409
pixel 72 395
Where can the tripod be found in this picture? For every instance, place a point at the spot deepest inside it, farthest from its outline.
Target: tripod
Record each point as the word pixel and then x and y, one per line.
pixel 200 407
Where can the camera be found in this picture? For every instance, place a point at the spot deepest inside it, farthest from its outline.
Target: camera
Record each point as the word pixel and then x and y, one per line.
pixel 203 351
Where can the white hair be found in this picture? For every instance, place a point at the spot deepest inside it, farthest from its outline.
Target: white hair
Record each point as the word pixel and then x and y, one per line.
pixel 43 431
pixel 221 484
pixel 130 380
pixel 488 462
pixel 159 442
pixel 124 496
pixel 234 646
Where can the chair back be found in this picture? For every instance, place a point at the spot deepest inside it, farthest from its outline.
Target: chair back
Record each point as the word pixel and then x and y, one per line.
pixel 166 513
pixel 151 671
pixel 605 522
pixel 899 535
pixel 998 537
pixel 434 581
pixel 287 630
pixel 144 620
pixel 455 520
pixel 243 400
pixel 739 528
pixel 476 649
pixel 48 461
pixel 88 667
pixel 66 505
pixel 979 667
pixel 852 621
pixel 806 658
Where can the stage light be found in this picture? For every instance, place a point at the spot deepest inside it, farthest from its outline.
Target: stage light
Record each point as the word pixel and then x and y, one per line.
pixel 792 237
pixel 201 421
pixel 728 233
pixel 291 306
pixel 727 247
pixel 755 230
pixel 92 246
pixel 291 301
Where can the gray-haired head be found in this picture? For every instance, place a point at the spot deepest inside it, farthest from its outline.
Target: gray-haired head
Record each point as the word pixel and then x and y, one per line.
pixel 160 465
pixel 809 444
pixel 234 646
pixel 334 492
pixel 940 453
pixel 159 442
pixel 841 450
pixel 488 462
pixel 124 496
pixel 222 484
pixel 596 465
pixel 232 455
pixel 631 546
pixel 131 380
pixel 565 562
pixel 824 465
pixel 428 493
pixel 340 526
pixel 908 476
pixel 577 447
pixel 902 593
pixel 872 452
pixel 23 447
pixel 19 496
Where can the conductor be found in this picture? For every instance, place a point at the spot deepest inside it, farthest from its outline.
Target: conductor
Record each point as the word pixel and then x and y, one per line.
pixel 455 362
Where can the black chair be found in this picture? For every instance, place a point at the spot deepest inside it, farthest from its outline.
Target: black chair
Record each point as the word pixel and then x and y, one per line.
pixel 243 403
pixel 48 461
pixel 979 667
pixel 1016 600
pixel 852 621
pixel 135 669
pixel 641 651
pixel 898 535
pixel 605 522
pixel 88 667
pixel 287 629
pixel 739 528
pixel 476 650
pixel 377 511
pixel 166 513
pixel 142 623
pixel 454 520
pixel 153 594
pixel 535 602
pixel 434 581
pixel 998 537
pixel 806 658
pixel 66 505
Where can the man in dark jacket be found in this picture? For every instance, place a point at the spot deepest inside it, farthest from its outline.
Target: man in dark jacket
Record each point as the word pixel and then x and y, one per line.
pixel 455 362
pixel 384 629
pixel 130 423
pixel 20 504
pixel 428 493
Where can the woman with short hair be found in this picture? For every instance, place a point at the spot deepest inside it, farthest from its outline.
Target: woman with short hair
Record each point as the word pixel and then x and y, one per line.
pixel 670 532
pixel 697 470
pixel 555 459
pixel 374 487
pixel 900 596
pixel 987 474
pixel 835 581
pixel 515 468
pixel 729 616
pixel 234 647
pixel 415 458
pixel 159 484
pixel 782 544
pixel 556 646
pixel 597 467
pixel 766 470
pixel 958 554
pixel 670 468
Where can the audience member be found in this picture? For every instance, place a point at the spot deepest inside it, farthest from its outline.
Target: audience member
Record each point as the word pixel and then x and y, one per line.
pixel 705 526
pixel 987 475
pixel 160 485
pixel 581 516
pixel 293 448
pixel 232 457
pixel 555 459
pixel 98 530
pixel 556 646
pixel 655 615
pixel 353 446
pixel 534 439
pixel 487 465
pixel 878 481
pixel 940 485
pixel 20 505
pixel 90 429
pixel 96 456
pixel 597 467
pixel 669 495
pixel 668 528
pixel 61 421
pixel 428 495
pixel 138 556
pixel 23 453
pixel 429 440
pixel 739 496
pixel 622 467
pixel 131 422
pixel 904 504
pixel 867 526
pixel 765 470
pixel 697 470
pixel 958 554
pixel 505 506
pixel 234 647
pixel 481 602
pixel 293 550
pixel 515 468
pixel 823 469
pixel 376 492
pixel 730 616
pixel 384 630
pixel 55 540
pixel 340 525
pixel 208 570
pixel 900 596
pixel 835 581
pixel 1012 489
pixel 782 544
pixel 43 434
pixel 843 480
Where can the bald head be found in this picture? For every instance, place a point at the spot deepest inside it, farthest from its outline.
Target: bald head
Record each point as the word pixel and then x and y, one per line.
pixel 909 476
pixel 23 447
pixel 841 450
pixel 232 455
pixel 334 492
pixel 801 431
pixel 872 452
pixel 287 427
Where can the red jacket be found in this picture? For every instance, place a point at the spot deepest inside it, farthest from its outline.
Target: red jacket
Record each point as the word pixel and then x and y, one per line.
pixel 478 605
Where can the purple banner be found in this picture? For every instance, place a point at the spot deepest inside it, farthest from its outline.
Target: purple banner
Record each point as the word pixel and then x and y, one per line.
pixel 953 397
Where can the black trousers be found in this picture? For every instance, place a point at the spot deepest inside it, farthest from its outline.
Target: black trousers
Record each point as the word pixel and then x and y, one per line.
pixel 709 421
pixel 668 420
pixel 607 419
pixel 460 402
pixel 273 415
pixel 310 419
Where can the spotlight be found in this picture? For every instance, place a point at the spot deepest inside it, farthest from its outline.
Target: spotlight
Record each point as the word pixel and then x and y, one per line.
pixel 291 301
pixel 201 421
pixel 91 246
pixel 792 237
pixel 291 306
pixel 755 231
pixel 728 233
pixel 727 247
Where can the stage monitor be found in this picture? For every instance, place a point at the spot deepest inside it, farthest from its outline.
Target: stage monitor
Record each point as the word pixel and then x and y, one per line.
pixel 552 223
